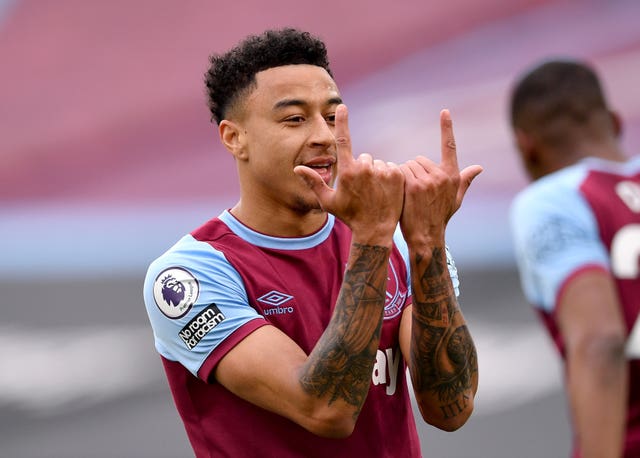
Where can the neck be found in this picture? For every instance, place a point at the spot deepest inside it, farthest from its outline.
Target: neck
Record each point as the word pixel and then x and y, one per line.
pixel 559 158
pixel 279 222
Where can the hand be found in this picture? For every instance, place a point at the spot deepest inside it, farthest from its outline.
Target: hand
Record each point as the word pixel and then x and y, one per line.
pixel 369 193
pixel 434 192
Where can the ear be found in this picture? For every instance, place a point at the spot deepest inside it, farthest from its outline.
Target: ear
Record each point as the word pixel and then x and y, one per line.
pixel 616 122
pixel 526 145
pixel 530 153
pixel 232 137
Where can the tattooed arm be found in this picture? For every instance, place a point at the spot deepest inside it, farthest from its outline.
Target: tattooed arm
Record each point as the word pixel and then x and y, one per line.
pixel 434 336
pixel 325 390
pixel 442 355
pixel 339 367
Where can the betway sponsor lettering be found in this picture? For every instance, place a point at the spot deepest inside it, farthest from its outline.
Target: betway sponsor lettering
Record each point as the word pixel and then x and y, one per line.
pixel 385 370
pixel 200 326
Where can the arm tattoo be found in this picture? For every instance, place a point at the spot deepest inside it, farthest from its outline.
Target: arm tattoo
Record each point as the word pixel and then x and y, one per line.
pixel 443 356
pixel 340 365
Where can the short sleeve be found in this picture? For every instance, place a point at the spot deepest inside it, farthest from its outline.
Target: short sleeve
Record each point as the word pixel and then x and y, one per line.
pixel 555 234
pixel 195 301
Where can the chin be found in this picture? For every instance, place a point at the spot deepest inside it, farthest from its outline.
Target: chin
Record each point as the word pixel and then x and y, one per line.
pixel 303 206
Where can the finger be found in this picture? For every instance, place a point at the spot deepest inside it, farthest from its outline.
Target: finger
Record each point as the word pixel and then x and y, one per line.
pixel 379 165
pixel 448 141
pixel 366 158
pixel 343 138
pixel 466 177
pixel 315 182
pixel 426 163
pixel 416 169
pixel 406 171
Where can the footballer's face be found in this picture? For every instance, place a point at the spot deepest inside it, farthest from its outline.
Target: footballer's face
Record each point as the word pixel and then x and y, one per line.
pixel 285 121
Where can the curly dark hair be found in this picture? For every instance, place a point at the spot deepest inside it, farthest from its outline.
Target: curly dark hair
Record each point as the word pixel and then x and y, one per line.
pixel 231 73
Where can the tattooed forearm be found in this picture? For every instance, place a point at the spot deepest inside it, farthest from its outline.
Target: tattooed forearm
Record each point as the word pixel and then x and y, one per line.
pixel 434 286
pixel 443 356
pixel 340 365
pixel 445 362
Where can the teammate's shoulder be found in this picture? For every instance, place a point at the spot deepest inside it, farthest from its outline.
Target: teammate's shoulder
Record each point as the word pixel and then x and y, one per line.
pixel 629 167
pixel 557 187
pixel 634 162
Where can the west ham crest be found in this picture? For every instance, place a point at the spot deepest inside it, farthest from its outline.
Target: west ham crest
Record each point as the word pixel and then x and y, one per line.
pixel 395 298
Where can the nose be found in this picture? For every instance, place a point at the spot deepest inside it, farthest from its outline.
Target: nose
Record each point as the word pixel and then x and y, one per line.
pixel 321 134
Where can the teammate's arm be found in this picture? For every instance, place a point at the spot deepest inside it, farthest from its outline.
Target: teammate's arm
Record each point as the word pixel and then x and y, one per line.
pixel 325 390
pixel 435 340
pixel 593 330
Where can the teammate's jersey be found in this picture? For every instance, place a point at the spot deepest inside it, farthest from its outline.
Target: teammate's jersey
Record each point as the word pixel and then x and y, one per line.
pixel 583 217
pixel 222 282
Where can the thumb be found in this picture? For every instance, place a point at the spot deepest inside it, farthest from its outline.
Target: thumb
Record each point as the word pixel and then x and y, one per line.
pixel 315 183
pixel 466 177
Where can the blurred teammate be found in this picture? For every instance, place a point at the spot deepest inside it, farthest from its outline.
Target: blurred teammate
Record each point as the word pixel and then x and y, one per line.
pixel 286 323
pixel 577 238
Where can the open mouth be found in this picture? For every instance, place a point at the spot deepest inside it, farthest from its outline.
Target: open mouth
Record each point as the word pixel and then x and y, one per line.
pixel 322 166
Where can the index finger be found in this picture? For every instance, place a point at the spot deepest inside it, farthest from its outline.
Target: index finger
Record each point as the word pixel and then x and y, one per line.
pixel 448 141
pixel 343 138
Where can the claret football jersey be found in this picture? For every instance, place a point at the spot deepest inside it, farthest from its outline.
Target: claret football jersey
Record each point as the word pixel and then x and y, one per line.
pixel 586 216
pixel 222 282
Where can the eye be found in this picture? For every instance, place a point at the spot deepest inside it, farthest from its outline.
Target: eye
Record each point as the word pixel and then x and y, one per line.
pixel 331 119
pixel 295 119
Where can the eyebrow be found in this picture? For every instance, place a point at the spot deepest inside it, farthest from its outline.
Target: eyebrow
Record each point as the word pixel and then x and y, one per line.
pixel 298 102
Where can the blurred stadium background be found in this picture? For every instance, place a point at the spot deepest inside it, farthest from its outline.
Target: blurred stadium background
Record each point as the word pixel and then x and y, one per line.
pixel 107 156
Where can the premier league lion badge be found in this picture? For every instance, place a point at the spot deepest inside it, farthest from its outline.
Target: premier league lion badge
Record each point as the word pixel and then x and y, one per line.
pixel 175 291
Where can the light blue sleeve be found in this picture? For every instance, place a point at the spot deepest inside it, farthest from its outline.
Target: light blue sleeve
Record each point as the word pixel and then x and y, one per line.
pixel 195 299
pixel 554 234
pixel 401 244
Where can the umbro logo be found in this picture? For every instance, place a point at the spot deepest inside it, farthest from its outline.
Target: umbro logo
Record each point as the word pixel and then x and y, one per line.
pixel 275 298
